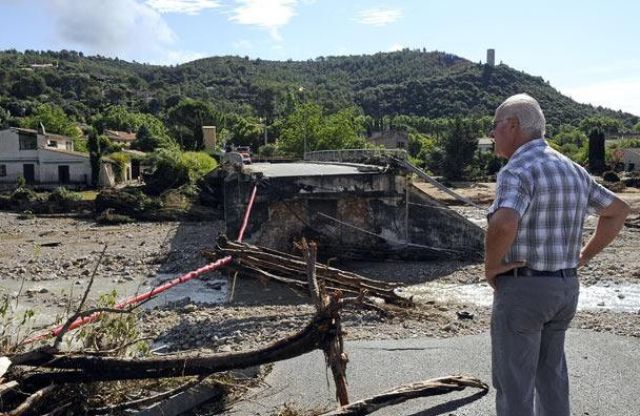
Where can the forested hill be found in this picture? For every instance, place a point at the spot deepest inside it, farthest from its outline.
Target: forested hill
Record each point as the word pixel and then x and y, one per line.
pixel 411 82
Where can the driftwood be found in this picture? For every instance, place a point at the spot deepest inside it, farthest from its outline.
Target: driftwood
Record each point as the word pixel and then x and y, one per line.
pixel 433 387
pixel 267 264
pixel 86 368
pixel 42 371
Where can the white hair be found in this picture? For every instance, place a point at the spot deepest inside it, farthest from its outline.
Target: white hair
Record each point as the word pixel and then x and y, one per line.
pixel 528 112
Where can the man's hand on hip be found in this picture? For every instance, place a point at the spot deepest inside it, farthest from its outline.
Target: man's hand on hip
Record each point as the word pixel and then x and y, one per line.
pixel 491 273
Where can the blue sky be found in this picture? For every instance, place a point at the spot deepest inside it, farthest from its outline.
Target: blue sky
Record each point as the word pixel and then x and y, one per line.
pixel 589 50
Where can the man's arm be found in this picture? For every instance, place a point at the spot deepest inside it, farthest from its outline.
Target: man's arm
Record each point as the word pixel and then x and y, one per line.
pixel 501 232
pixel 609 225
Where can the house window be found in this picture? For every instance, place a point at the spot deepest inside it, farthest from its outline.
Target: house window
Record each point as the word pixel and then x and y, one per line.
pixel 52 143
pixel 68 145
pixel 401 145
pixel 28 142
pixel 3 170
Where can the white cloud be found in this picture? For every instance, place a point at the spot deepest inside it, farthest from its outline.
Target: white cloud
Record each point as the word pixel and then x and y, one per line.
pixel 271 15
pixel 378 16
pixel 620 94
pixel 182 6
pixel 112 28
pixel 396 47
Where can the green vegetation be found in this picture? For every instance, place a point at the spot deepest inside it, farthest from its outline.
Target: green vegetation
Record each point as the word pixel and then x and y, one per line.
pixel 441 101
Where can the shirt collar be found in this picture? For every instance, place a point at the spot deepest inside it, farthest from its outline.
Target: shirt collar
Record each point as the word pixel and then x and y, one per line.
pixel 527 146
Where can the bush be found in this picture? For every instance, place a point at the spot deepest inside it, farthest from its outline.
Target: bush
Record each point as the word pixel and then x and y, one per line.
pixel 610 176
pixel 198 164
pixel 171 169
pixel 23 194
pixel 128 201
pixel 63 199
pixel 267 150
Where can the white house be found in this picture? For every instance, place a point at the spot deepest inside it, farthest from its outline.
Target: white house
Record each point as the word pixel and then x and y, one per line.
pixel 486 145
pixel 45 159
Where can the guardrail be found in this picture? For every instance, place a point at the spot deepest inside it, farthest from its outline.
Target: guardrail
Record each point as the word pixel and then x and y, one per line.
pixel 354 155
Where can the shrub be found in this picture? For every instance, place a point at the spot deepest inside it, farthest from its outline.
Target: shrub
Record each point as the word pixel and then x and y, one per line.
pixel 63 198
pixel 23 194
pixel 267 150
pixel 63 194
pixel 198 164
pixel 172 169
pixel 610 176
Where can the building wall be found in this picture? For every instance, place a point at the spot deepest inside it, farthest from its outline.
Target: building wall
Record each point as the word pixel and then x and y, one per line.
pixel 79 167
pixel 13 158
pixel 631 159
pixel 45 161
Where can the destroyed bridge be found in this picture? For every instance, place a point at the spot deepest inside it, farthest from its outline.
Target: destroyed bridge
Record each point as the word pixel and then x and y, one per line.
pixel 359 204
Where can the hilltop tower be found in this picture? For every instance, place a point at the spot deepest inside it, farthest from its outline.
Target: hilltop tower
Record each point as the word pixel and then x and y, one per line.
pixel 491 57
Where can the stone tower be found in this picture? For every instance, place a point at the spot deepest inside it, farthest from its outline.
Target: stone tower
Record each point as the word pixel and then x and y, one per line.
pixel 491 57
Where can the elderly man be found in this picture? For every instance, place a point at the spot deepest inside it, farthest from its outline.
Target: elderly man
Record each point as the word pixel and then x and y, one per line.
pixel 532 251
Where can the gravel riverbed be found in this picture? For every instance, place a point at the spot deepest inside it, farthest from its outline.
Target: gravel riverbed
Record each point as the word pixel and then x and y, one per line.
pixel 46 264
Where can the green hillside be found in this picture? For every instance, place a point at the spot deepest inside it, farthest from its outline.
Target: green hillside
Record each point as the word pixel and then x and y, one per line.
pixel 410 82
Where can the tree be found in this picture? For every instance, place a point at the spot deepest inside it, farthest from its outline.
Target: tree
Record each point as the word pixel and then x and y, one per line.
pixel 54 120
pixel 146 141
pixel 95 156
pixel 460 147
pixel 187 118
pixel 607 125
pixel 308 128
pixel 596 151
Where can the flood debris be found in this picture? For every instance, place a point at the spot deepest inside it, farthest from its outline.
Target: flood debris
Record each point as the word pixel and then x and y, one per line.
pixel 48 380
pixel 266 264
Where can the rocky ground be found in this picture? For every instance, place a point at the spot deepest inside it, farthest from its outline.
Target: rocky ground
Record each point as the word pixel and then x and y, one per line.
pixel 46 263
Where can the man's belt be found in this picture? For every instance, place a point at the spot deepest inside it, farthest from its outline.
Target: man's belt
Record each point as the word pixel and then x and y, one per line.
pixel 527 272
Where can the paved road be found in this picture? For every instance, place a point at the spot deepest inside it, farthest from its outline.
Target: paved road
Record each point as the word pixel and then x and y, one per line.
pixel 604 371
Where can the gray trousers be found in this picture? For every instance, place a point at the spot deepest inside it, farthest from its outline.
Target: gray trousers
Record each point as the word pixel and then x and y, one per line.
pixel 528 324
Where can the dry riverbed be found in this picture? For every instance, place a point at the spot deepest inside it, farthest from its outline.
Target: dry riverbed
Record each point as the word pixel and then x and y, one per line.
pixel 46 264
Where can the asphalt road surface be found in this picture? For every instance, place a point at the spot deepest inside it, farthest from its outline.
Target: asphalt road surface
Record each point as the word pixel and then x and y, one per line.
pixel 604 373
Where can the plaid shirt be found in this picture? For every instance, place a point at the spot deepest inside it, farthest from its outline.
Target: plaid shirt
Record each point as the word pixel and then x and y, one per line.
pixel 552 196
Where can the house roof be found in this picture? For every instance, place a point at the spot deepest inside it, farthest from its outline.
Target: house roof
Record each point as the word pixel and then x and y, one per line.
pixel 283 170
pixel 123 136
pixel 64 151
pixel 73 153
pixel 47 135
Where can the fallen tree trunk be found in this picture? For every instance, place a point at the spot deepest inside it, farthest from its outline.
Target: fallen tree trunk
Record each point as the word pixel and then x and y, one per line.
pixel 268 264
pixel 84 368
